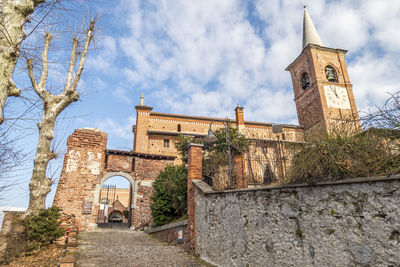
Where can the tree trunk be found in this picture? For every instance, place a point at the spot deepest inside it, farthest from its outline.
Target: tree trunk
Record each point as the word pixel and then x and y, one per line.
pixel 53 105
pixel 39 185
pixel 13 15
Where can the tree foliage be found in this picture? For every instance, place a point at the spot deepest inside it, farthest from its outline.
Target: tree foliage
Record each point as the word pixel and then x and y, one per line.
pixel 215 157
pixel 170 193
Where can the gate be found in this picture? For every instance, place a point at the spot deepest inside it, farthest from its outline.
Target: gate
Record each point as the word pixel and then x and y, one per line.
pixel 110 213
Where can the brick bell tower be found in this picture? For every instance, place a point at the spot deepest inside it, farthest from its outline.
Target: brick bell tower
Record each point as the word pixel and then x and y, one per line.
pixel 322 89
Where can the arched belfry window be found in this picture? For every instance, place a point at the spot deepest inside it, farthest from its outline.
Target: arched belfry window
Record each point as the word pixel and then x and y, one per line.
pixel 305 81
pixel 179 128
pixel 331 75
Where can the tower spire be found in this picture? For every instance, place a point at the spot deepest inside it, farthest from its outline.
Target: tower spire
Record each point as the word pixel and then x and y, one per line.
pixel 310 34
pixel 141 100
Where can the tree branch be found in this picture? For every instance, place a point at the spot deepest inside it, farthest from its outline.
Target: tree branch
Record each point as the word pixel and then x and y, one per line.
pixel 45 69
pixel 31 75
pixel 89 36
pixel 71 64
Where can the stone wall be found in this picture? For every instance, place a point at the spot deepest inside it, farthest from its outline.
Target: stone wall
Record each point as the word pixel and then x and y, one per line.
pixel 12 238
pixel 168 233
pixel 347 223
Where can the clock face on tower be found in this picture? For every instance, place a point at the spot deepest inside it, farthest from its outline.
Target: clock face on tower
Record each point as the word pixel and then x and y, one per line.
pixel 336 97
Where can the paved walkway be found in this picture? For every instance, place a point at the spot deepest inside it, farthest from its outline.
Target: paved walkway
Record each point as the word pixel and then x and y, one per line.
pixel 129 248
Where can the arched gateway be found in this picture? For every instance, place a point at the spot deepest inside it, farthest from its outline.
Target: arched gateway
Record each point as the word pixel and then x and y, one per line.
pixel 88 163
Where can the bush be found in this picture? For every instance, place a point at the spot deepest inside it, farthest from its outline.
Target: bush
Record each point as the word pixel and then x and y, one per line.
pixel 340 156
pixel 43 228
pixel 170 193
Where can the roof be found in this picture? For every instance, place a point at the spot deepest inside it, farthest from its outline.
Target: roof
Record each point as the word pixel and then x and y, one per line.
pixel 212 119
pixel 139 154
pixel 310 34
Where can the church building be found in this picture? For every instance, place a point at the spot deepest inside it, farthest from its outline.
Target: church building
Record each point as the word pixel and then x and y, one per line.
pixel 324 100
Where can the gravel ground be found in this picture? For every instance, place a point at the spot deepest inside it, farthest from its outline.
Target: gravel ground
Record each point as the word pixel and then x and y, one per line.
pixel 129 248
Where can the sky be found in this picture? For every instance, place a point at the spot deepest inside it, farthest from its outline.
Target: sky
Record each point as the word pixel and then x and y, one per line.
pixel 205 57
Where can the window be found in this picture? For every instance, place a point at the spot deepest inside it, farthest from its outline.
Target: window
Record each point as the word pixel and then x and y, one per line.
pixel 166 143
pixel 331 75
pixel 305 81
pixel 179 128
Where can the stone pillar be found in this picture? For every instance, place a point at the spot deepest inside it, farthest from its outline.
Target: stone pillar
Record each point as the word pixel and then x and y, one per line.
pixel 239 167
pixel 195 168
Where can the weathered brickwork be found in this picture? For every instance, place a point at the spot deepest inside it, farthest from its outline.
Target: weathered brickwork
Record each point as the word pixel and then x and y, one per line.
pixel 88 164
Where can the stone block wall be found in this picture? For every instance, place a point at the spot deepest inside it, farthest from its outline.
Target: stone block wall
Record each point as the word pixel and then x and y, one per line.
pixel 346 223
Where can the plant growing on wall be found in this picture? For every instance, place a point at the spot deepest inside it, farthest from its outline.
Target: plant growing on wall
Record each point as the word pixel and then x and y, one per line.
pixel 334 157
pixel 170 193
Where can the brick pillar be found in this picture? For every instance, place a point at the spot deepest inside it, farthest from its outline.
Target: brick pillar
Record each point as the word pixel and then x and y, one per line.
pixel 195 167
pixel 83 167
pixel 239 167
pixel 239 162
pixel 140 130
pixel 239 118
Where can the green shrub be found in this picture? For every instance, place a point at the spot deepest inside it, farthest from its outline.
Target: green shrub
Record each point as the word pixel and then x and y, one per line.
pixel 170 193
pixel 43 228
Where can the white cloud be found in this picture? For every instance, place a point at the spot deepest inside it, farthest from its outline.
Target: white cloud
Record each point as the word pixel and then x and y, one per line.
pixel 104 59
pixel 117 131
pixel 205 57
pixel 121 94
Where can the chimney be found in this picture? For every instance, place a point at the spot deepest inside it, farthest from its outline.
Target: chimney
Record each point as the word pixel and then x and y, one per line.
pixel 239 118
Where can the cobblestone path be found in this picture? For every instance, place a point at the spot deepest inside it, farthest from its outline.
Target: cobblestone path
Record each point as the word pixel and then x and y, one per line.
pixel 129 248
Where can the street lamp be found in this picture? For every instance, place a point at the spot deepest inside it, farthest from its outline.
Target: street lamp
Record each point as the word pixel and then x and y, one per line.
pixel 211 138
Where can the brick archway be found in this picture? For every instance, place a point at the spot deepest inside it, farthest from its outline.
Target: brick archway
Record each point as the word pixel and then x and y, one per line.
pixel 88 164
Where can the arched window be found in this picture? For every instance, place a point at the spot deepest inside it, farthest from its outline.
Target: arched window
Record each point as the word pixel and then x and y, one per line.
pixel 331 75
pixel 179 128
pixel 305 81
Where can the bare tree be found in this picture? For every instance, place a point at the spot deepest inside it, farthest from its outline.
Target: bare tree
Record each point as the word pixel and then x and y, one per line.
pixel 53 105
pixel 13 16
pixel 386 116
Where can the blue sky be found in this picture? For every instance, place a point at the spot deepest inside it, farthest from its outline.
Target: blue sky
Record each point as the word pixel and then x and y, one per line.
pixel 205 57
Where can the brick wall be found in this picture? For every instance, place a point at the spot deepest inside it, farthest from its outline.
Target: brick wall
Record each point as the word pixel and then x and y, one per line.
pixel 87 164
pixel 83 166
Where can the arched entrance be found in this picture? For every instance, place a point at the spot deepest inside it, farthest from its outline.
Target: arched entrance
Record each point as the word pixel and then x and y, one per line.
pixel 114 195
